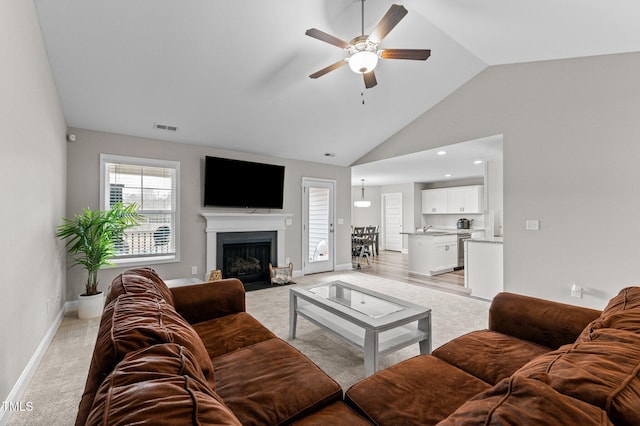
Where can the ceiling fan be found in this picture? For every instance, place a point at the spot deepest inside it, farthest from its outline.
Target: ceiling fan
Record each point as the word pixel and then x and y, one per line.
pixel 364 50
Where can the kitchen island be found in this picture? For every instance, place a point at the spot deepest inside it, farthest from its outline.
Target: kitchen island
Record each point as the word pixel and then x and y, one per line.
pixel 432 253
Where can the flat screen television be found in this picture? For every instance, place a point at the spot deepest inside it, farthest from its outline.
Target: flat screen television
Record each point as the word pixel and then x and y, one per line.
pixel 236 183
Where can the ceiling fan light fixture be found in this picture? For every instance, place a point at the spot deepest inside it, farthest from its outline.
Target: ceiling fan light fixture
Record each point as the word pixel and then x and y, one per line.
pixel 363 62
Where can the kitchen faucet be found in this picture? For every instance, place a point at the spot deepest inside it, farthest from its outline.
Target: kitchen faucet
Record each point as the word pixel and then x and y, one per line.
pixel 426 228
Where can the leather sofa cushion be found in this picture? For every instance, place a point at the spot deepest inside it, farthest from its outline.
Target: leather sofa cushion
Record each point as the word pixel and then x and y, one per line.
pixel 140 321
pixel 525 401
pixel 489 355
pixel 132 322
pixel 337 413
pixel 139 280
pixel 157 361
pixel 544 322
pixel 170 401
pixel 622 312
pixel 271 383
pixel 419 391
pixel 604 372
pixel 229 333
pixel 628 298
pixel 161 384
pixel 202 302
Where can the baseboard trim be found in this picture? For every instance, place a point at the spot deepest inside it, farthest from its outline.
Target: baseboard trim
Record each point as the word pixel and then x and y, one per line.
pixel 344 267
pixel 13 399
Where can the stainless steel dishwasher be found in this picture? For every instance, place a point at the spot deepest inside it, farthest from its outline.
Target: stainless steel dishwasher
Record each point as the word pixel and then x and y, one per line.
pixel 461 240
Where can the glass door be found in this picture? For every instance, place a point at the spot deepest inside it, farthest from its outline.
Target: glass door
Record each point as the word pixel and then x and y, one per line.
pixel 318 236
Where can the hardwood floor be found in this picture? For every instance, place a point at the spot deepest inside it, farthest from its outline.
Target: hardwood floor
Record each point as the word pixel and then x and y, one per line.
pixel 394 265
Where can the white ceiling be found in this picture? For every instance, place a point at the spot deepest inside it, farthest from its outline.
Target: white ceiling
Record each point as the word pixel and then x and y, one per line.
pixel 234 74
pixel 463 160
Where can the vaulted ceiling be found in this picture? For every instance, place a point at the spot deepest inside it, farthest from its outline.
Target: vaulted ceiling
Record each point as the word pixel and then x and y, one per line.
pixel 234 74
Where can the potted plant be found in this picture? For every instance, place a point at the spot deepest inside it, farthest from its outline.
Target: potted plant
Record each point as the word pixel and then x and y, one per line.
pixel 91 237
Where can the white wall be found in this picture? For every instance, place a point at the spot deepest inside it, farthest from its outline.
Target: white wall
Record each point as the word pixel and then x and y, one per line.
pixel 571 151
pixel 365 216
pixel 83 188
pixel 32 172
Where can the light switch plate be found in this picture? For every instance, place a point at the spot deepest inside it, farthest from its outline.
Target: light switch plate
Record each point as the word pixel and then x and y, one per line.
pixel 532 225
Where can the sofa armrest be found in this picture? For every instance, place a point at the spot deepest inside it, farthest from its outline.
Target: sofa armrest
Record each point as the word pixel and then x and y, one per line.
pixel 202 302
pixel 545 322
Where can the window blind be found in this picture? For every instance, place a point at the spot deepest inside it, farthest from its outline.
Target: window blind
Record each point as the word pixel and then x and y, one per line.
pixel 152 186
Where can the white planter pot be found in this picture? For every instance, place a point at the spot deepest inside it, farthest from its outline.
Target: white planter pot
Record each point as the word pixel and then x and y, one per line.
pixel 90 306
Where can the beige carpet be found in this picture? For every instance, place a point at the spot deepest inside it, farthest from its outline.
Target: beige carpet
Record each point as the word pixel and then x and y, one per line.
pixel 56 388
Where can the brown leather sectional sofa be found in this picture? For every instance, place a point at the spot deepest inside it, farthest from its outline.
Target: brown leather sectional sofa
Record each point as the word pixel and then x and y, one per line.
pixel 192 355
pixel 539 363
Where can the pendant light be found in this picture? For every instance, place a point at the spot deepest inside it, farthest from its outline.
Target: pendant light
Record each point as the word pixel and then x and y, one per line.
pixel 362 202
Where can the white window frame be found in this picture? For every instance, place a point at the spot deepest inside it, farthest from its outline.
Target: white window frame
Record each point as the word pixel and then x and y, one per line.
pixel 139 161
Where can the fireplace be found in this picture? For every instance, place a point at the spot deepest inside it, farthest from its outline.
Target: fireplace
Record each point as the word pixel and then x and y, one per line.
pixel 220 223
pixel 246 255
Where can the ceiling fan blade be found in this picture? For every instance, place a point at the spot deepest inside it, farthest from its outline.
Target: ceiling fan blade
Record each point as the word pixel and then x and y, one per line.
pixel 327 38
pixel 369 79
pixel 387 23
pixel 415 54
pixel 328 69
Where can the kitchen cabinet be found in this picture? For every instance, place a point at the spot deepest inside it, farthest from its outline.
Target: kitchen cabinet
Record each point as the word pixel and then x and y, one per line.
pixel 455 200
pixel 483 268
pixel 434 201
pixel 432 254
pixel 465 199
pixel 445 255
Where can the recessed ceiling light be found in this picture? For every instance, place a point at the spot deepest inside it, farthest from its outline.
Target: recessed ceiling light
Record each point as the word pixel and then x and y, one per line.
pixel 477 162
pixel 442 152
pixel 447 175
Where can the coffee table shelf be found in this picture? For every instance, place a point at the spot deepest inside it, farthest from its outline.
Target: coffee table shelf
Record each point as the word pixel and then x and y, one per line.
pixel 389 341
pixel 373 322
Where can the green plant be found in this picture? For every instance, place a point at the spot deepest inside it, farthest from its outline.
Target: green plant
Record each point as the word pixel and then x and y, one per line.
pixel 92 235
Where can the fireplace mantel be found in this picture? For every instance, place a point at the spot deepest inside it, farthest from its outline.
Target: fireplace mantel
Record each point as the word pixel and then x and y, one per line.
pixel 243 222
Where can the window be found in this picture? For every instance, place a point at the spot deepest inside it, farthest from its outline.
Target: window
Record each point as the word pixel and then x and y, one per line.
pixel 153 186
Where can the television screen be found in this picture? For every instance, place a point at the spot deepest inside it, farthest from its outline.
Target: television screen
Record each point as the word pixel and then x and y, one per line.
pixel 236 183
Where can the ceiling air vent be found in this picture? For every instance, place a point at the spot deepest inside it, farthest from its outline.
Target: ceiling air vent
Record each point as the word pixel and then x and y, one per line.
pixel 166 127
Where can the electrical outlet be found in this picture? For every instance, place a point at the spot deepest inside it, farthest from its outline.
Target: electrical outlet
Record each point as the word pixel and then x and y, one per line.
pixel 194 270
pixel 532 225
pixel 576 291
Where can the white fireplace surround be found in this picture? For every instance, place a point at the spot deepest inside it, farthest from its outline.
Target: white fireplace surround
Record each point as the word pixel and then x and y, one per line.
pixel 243 222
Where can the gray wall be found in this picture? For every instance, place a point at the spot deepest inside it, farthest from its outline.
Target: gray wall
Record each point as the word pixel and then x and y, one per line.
pixel 365 216
pixel 32 172
pixel 84 181
pixel 571 151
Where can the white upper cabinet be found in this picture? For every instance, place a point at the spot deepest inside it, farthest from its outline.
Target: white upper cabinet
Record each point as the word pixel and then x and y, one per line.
pixel 465 199
pixel 434 201
pixel 456 200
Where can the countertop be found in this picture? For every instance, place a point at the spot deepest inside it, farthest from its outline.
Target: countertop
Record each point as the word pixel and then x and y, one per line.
pixel 490 240
pixel 444 231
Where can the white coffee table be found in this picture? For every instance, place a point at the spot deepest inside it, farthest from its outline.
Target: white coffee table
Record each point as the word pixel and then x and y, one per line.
pixel 373 322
